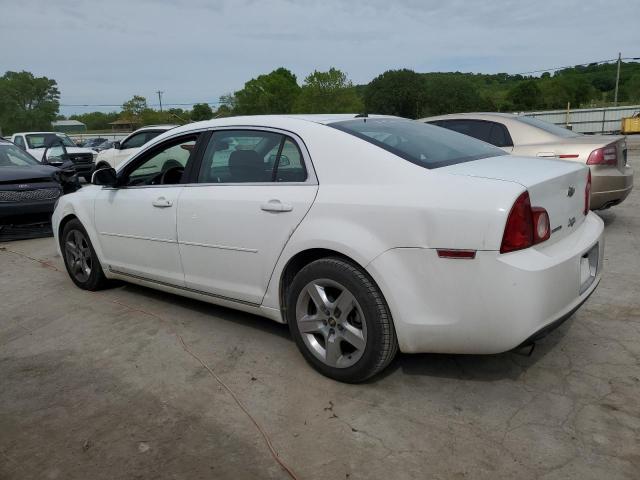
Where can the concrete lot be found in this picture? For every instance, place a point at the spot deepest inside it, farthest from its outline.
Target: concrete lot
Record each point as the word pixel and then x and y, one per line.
pixel 98 385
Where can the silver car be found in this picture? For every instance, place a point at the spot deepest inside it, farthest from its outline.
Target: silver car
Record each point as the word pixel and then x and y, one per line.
pixel 606 155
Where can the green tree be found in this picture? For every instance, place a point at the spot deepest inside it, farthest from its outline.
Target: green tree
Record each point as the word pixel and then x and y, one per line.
pixel 27 102
pixel 201 111
pixel 274 92
pixel 452 94
pixel 328 92
pixel 132 109
pixel 96 120
pixel 396 92
pixel 526 96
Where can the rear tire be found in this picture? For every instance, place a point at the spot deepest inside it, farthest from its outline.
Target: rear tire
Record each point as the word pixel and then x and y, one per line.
pixel 80 258
pixel 340 320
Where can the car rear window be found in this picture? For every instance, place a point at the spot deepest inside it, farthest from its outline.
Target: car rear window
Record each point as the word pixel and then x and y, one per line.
pixel 548 127
pixel 425 145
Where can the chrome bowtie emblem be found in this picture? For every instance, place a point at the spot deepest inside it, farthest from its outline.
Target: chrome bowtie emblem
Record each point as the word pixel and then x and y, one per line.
pixel 23 185
pixel 572 221
pixel 571 191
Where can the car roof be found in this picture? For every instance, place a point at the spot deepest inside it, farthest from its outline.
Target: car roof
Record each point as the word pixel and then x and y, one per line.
pixel 281 120
pixel 40 133
pixel 474 115
pixel 155 127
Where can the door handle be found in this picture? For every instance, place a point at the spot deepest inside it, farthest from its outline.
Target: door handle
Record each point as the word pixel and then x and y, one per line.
pixel 162 202
pixel 276 205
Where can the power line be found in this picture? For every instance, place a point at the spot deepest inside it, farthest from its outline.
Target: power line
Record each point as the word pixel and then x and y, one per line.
pixel 577 65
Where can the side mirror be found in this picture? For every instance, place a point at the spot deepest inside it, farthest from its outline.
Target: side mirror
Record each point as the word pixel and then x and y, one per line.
pixel 284 160
pixel 55 153
pixel 116 145
pixel 105 176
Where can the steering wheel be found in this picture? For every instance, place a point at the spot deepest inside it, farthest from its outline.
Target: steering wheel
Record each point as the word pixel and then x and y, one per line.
pixel 172 175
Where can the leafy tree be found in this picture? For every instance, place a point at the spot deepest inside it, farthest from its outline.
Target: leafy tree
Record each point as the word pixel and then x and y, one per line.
pixel 201 111
pixel 328 92
pixel 132 109
pixel 27 102
pixel 274 92
pixel 525 95
pixel 96 120
pixel 396 92
pixel 453 94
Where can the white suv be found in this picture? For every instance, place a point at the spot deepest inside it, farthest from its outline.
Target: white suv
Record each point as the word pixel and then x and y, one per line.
pixel 113 157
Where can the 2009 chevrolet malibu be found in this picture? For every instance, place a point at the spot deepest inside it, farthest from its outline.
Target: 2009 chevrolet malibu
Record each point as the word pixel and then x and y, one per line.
pixel 363 234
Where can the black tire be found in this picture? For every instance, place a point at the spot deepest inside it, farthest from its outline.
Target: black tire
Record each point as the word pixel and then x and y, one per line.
pixel 92 280
pixel 380 343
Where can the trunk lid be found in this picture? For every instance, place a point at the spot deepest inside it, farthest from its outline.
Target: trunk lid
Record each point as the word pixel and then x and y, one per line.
pixel 555 185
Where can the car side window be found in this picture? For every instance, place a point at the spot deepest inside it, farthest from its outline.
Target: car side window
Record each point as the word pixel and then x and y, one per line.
pixel 19 141
pixel 290 167
pixel 500 136
pixel 163 165
pixel 251 156
pixel 138 140
pixel 473 128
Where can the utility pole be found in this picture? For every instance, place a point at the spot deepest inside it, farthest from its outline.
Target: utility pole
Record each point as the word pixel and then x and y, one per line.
pixel 160 92
pixel 615 97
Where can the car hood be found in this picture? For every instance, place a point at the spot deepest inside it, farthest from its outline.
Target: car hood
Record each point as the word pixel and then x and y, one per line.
pixel 17 174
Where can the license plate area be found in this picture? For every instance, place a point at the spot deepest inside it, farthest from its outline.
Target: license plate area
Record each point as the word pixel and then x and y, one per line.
pixel 588 268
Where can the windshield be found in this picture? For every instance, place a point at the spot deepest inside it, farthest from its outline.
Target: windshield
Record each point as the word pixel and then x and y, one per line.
pixel 548 127
pixel 39 140
pixel 426 145
pixel 12 156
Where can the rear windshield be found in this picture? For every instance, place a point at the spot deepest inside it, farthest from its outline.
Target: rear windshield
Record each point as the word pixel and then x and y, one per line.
pixel 548 127
pixel 426 145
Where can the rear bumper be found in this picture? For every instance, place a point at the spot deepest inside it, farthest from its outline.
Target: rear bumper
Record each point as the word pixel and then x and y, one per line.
pixel 610 186
pixel 490 304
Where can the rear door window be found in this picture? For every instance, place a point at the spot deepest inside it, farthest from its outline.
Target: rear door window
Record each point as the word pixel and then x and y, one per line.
pixel 251 156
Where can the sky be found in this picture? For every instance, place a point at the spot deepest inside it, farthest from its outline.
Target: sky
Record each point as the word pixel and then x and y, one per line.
pixel 103 52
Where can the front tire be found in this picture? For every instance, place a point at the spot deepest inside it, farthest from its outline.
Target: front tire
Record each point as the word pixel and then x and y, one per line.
pixel 80 258
pixel 340 320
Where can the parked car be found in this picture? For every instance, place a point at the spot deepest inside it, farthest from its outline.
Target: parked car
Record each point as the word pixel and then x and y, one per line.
pixel 365 235
pixel 104 146
pixel 35 144
pixel 93 143
pixel 28 189
pixel 120 151
pixel 605 155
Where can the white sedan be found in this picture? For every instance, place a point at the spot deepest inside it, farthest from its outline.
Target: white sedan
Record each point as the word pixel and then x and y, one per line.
pixel 364 234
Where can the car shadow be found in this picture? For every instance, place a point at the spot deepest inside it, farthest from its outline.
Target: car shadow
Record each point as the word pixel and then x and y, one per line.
pixel 221 313
pixel 486 368
pixel 607 216
pixel 509 365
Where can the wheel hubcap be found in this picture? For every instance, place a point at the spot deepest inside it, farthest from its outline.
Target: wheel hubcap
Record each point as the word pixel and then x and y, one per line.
pixel 78 255
pixel 331 323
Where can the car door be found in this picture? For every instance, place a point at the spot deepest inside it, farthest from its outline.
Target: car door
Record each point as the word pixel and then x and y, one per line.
pixel 136 221
pixel 248 194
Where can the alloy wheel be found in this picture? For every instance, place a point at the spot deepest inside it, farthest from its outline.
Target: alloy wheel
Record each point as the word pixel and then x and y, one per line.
pixel 78 254
pixel 331 323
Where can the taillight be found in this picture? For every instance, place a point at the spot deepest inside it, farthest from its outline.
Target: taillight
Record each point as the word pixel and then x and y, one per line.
pixel 541 226
pixel 525 226
pixel 587 194
pixel 604 156
pixel 518 233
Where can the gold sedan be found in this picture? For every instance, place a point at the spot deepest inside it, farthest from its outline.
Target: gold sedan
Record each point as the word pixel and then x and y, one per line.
pixel 606 155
